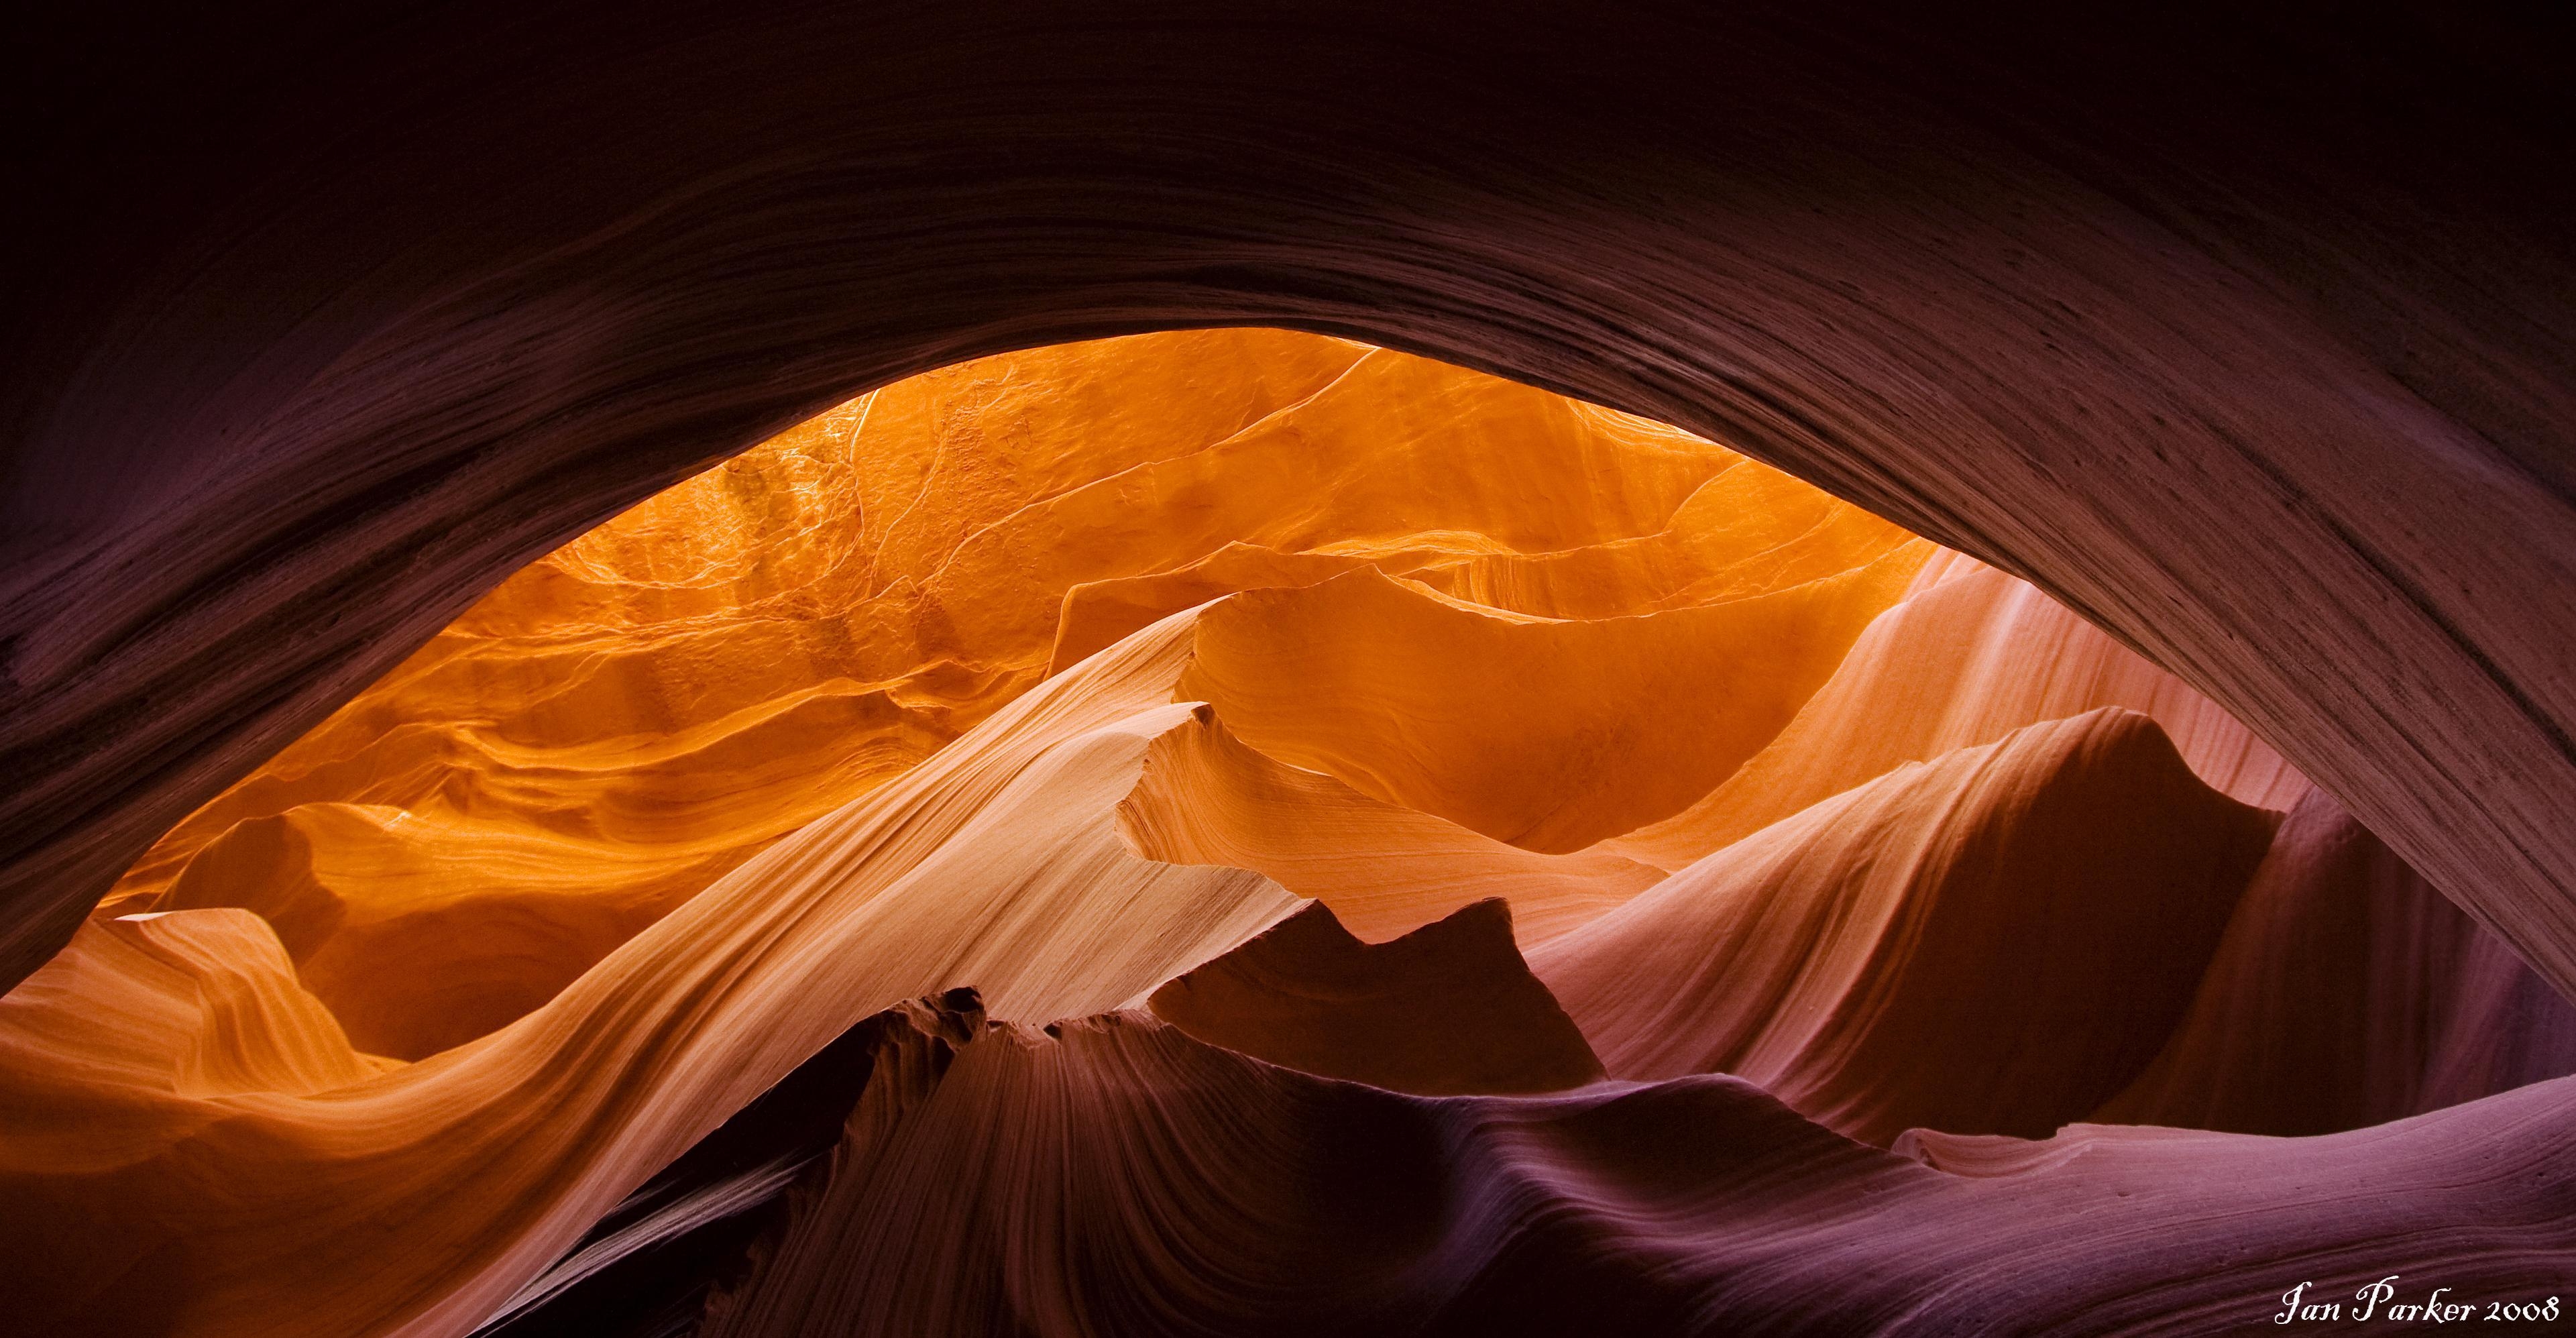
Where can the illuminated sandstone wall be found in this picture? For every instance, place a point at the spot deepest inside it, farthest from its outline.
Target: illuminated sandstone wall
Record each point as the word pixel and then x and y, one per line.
pixel 636 714
pixel 1237 831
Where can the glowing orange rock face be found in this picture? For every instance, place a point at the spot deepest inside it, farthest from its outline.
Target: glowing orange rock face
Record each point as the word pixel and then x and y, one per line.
pixel 627 719
pixel 1546 734
pixel 1205 798
pixel 1079 677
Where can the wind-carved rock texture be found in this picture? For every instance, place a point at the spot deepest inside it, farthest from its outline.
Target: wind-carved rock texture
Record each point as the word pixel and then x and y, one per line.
pixel 1245 832
pixel 2245 335
pixel 1989 943
pixel 1208 1192
pixel 638 713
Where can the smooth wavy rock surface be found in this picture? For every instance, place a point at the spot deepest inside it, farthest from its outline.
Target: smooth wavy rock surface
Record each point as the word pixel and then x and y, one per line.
pixel 1549 734
pixel 1385 869
pixel 2245 333
pixel 422 932
pixel 650 1265
pixel 640 711
pixel 546 988
pixel 1446 1010
pixel 1113 1175
pixel 2345 993
pixel 1994 942
pixel 137 1199
pixel 1971 655
pixel 671 810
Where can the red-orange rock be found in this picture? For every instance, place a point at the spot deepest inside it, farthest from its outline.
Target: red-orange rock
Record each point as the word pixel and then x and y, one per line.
pixel 1446 1010
pixel 1993 942
pixel 1079 677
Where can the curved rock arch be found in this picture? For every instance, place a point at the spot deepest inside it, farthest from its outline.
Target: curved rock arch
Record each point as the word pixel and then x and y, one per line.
pixel 2250 339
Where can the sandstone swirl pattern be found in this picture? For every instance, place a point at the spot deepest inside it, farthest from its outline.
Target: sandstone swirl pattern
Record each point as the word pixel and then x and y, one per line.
pixel 1243 832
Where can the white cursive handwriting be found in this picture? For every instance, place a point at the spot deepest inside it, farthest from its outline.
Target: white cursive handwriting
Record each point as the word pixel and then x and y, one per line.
pixel 2378 1300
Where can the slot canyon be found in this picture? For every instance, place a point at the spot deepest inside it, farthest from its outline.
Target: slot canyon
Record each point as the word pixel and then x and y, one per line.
pixel 1307 669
